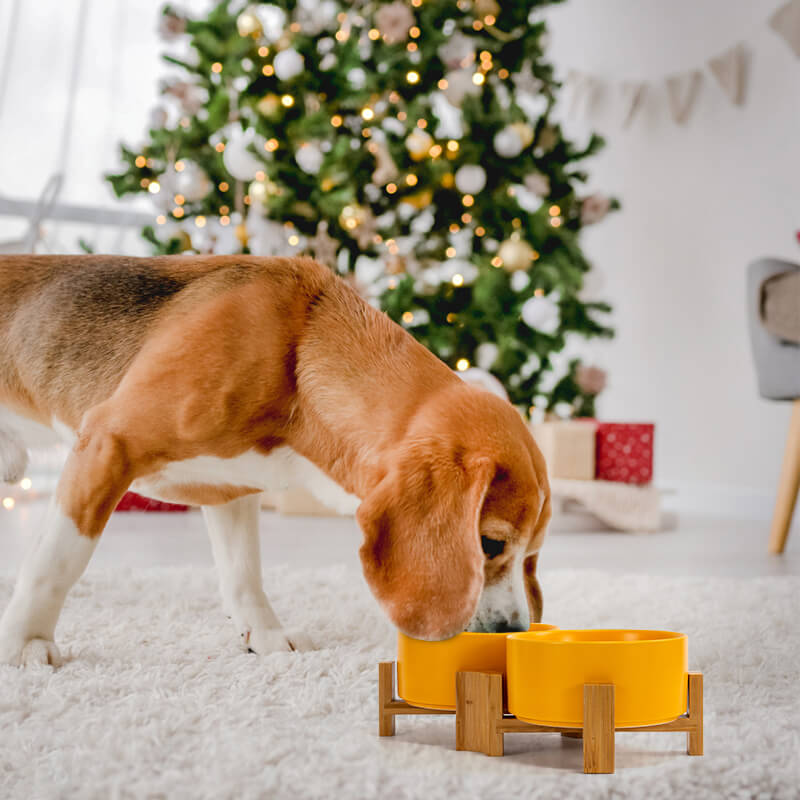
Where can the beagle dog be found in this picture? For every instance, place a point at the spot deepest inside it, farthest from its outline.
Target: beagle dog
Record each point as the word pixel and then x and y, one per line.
pixel 206 380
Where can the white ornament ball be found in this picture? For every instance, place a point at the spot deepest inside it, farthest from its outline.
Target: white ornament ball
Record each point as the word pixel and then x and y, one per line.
pixel 272 19
pixel 309 158
pixel 520 280
pixel 508 143
pixel 483 380
pixel 486 354
pixel 470 179
pixel 288 64
pixel 541 314
pixel 192 182
pixel 356 77
pixel 240 162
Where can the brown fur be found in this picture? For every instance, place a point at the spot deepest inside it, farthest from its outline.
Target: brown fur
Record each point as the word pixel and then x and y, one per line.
pixel 160 360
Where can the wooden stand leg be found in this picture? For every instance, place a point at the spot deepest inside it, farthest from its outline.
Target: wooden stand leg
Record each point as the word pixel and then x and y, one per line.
pixel 598 728
pixel 788 486
pixel 694 737
pixel 385 696
pixel 479 707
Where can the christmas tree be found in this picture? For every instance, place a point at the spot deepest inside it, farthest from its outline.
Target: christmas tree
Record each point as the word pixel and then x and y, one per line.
pixel 407 145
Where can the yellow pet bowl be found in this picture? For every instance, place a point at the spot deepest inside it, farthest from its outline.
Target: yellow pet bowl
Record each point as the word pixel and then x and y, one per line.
pixel 426 671
pixel 547 671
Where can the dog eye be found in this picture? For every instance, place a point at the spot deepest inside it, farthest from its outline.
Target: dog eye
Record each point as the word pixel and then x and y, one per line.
pixel 492 547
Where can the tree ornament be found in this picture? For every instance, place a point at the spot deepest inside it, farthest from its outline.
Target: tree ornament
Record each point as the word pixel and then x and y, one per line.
pixel 548 138
pixel 272 20
pixel 288 64
pixel 309 157
pixel 459 86
pixel 486 354
pixel 458 51
pixel 538 184
pixel 385 168
pixel 470 179
pixel 323 246
pixel 248 23
pixel 515 253
pixel 419 200
pixel 486 8
pixel 418 144
pixel 394 21
pixel 524 131
pixel 359 223
pixel 237 157
pixel 594 208
pixel 184 241
pixel 508 143
pixel 541 314
pixel 269 105
pixel 192 182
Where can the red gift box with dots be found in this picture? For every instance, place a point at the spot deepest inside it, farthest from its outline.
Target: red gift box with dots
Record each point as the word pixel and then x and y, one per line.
pixel 624 452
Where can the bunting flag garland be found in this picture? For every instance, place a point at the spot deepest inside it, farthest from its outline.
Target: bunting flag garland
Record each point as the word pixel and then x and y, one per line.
pixel 729 69
pixel 786 23
pixel 682 92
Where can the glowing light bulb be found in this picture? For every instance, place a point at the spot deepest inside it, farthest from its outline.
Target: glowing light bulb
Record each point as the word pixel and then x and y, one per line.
pixel 287 101
pixel 457 280
pixel 412 76
pixel 462 364
pixel 26 483
pixel 8 503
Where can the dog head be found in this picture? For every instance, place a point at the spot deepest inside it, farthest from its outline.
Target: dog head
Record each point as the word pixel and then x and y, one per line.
pixel 453 529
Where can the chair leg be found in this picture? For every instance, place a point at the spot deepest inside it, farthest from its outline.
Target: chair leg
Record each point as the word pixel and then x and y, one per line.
pixel 788 486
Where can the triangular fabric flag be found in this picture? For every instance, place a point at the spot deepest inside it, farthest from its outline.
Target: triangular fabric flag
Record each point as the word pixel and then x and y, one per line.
pixel 633 93
pixel 786 23
pixel 729 69
pixel 682 92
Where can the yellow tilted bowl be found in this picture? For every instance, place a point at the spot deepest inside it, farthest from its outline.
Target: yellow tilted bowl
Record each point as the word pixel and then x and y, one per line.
pixel 426 671
pixel 547 671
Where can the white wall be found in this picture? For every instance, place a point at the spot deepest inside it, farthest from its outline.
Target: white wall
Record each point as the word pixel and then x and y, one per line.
pixel 699 202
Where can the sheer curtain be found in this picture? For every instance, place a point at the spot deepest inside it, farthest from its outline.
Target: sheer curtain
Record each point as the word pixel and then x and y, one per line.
pixel 76 77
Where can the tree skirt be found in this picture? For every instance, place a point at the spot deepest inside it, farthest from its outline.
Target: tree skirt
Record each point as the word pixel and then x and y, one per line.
pixel 157 699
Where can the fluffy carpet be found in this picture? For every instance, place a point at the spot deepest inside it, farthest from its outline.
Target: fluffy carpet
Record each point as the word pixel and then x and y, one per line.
pixel 156 699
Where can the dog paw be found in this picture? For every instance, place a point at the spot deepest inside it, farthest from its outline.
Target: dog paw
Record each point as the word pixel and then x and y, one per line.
pixel 30 653
pixel 276 640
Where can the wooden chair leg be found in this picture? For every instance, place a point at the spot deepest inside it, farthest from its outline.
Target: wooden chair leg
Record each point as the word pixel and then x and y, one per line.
pixel 694 738
pixel 788 486
pixel 386 720
pixel 479 707
pixel 598 728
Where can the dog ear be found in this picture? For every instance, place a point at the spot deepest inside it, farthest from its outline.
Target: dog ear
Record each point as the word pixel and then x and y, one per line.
pixel 422 555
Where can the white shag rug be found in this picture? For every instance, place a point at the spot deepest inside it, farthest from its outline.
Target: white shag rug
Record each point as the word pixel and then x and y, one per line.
pixel 157 700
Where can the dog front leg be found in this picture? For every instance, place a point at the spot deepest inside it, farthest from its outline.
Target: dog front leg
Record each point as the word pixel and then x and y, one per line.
pixel 94 478
pixel 233 530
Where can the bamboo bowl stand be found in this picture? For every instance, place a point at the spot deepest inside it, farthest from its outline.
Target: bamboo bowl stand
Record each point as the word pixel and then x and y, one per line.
pixel 482 721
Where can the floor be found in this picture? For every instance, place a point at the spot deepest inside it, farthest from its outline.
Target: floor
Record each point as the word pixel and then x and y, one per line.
pixel 690 545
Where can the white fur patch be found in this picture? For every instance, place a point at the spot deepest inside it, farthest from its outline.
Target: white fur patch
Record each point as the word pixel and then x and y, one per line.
pixel 504 604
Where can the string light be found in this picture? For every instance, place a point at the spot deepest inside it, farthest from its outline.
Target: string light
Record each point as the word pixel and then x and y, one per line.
pixel 466 217
pixel 342 36
pixel 477 25
pixel 224 220
pixel 179 199
pixel 462 364
pixel 224 210
pixel 177 212
pixel 336 121
pixel 200 221
pixel 223 187
pixel 411 179
pixel 140 161
pixel 412 76
pixel 435 151
pixel 294 239
pixel 401 115
pixel 295 27
pixel 179 166
pixel 489 19
pixel 367 113
pixel 408 317
pixel 392 283
pixel 411 47
pixel 451 317
pixel 450 252
pixel 454 227
pixel 497 261
pixel 161 219
pixel 268 70
pixel 457 279
pixel 391 188
pixel 287 101
pixel 516 222
pixel 260 175
pixel 144 183
pixel 416 3
pixel 422 124
pixel 154 187
pixel 480 230
pixel 452 146
pixel 374 34
pixel 554 211
pixel 219 147
pixel 271 145
pixel 538 293
pixel 263 51
pixel 478 78
pixel 414 32
pixel 8 503
pixel 216 67
pixel 555 222
pixel 468 200
pixel 25 484
pixel 503 73
pixel 366 133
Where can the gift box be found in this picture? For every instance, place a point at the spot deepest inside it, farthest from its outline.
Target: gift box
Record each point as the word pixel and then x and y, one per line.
pixel 568 447
pixel 624 452
pixel 135 502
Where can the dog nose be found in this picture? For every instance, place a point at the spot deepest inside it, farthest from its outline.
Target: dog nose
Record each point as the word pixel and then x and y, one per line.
pixel 506 627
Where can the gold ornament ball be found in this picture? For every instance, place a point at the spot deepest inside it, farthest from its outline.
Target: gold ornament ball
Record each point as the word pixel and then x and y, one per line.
pixel 516 254
pixel 241 234
pixel 419 200
pixel 351 217
pixel 484 8
pixel 524 131
pixel 248 24
pixel 185 241
pixel 269 105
